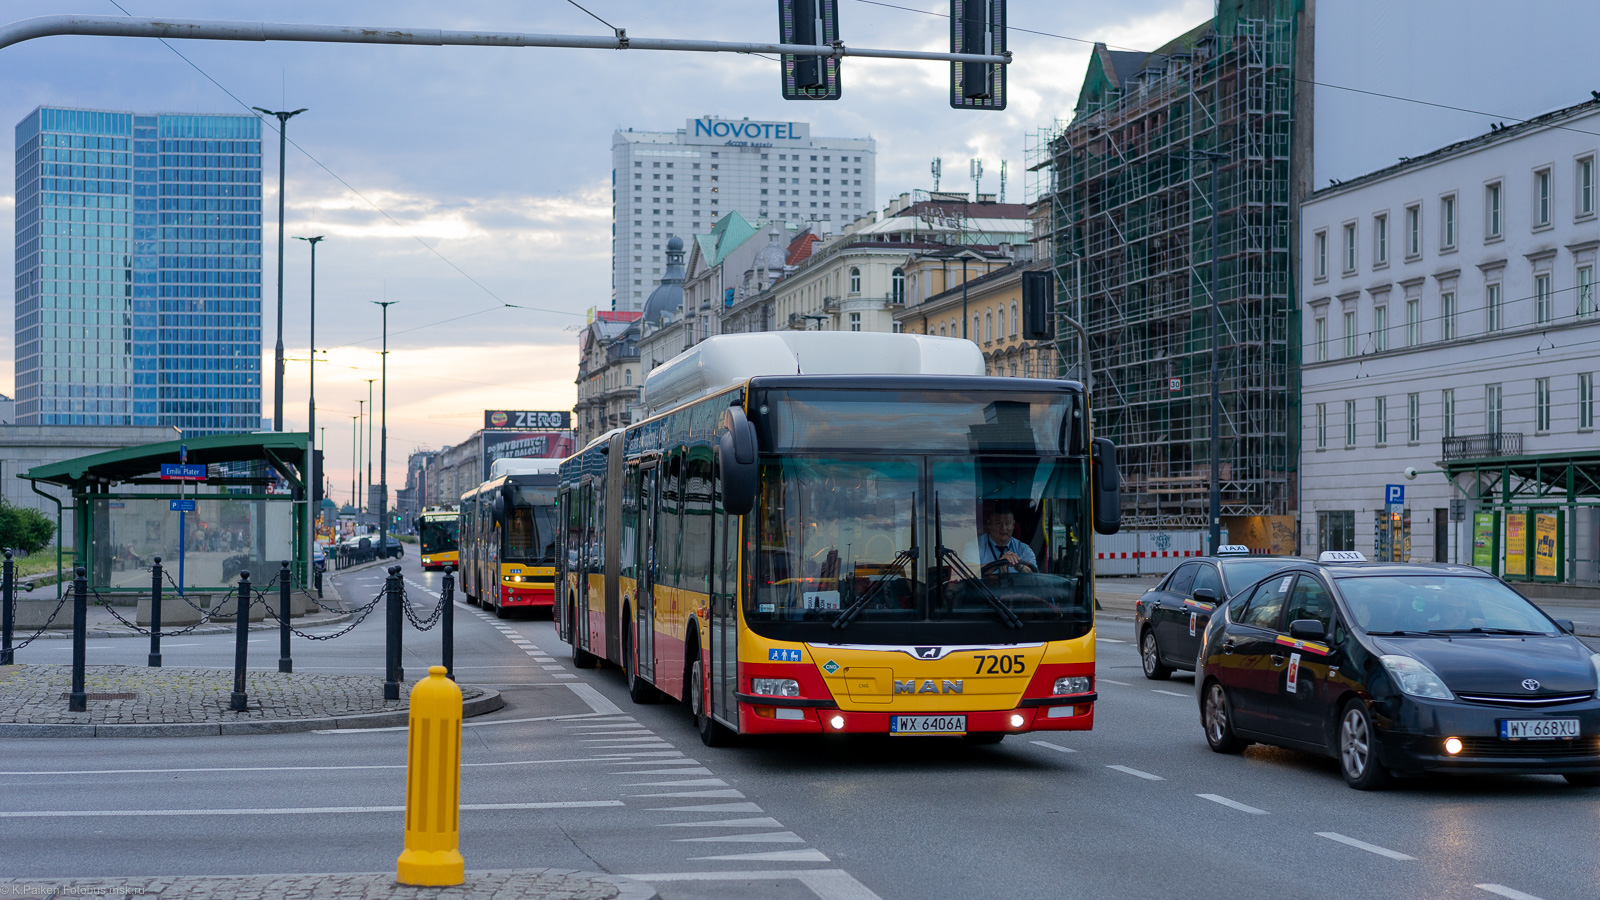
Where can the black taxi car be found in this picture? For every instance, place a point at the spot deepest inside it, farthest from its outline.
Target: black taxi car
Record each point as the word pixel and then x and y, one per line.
pixel 1400 668
pixel 1169 619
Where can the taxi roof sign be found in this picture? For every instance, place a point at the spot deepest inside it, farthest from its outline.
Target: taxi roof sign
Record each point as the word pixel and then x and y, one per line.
pixel 1233 550
pixel 1333 556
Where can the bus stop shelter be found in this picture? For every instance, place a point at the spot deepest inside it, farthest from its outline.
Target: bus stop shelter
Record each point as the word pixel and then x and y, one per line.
pixel 238 506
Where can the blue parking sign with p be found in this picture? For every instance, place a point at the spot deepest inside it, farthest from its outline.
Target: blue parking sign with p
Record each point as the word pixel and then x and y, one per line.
pixel 1394 493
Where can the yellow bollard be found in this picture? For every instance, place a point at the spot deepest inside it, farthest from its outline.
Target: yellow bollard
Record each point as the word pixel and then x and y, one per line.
pixel 432 856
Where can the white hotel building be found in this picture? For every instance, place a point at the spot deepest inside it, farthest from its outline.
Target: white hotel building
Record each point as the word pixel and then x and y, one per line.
pixel 1449 322
pixel 681 182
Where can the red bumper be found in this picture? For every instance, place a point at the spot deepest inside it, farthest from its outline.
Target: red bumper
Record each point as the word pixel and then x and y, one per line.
pixel 755 718
pixel 527 596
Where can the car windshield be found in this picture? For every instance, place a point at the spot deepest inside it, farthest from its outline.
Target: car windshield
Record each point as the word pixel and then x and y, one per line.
pixel 1236 576
pixel 1441 604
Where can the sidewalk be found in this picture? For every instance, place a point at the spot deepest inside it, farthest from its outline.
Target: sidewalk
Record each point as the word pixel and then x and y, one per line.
pixel 524 884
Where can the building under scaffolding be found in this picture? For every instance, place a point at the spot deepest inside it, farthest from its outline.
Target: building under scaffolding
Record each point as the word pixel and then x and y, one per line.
pixel 1125 215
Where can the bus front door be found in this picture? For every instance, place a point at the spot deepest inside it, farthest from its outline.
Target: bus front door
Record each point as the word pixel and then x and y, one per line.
pixel 644 603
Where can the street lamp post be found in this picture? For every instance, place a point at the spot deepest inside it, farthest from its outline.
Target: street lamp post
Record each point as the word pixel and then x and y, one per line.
pixel 366 492
pixel 383 446
pixel 277 373
pixel 311 407
pixel 358 491
pixel 1216 353
pixel 355 450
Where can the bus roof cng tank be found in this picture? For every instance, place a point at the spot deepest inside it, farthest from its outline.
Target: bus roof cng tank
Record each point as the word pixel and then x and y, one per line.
pixel 501 467
pixel 727 360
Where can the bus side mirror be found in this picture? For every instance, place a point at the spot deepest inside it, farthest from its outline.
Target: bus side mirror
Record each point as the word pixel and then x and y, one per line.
pixel 498 509
pixel 736 449
pixel 1107 483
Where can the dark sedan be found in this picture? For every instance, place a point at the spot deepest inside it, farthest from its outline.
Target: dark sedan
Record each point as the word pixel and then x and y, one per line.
pixel 1170 618
pixel 1401 669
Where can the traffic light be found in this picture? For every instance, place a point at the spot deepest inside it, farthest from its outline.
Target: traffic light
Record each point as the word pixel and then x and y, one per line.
pixel 809 22
pixel 1037 293
pixel 977 26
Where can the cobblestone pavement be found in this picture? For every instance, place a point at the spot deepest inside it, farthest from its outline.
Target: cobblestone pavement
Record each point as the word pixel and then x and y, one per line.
pixel 527 884
pixel 137 695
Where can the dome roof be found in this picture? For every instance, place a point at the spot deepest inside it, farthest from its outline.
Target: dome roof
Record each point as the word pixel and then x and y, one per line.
pixel 770 257
pixel 667 298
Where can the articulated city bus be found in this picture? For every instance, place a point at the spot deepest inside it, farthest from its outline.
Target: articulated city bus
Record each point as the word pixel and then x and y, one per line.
pixel 508 537
pixel 826 532
pixel 437 532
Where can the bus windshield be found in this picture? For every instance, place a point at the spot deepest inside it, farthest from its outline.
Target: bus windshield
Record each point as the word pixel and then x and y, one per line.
pixel 438 534
pixel 531 527
pixel 904 548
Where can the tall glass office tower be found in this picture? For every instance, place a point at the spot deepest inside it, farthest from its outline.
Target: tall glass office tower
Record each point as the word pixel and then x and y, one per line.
pixel 138 270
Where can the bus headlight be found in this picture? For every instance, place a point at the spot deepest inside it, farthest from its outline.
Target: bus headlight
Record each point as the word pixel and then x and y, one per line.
pixel 1073 684
pixel 775 687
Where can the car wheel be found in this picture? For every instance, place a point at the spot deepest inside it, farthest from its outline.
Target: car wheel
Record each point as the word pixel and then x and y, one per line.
pixel 1358 749
pixel 1217 718
pixel 1583 779
pixel 639 690
pixel 1150 656
pixel 712 732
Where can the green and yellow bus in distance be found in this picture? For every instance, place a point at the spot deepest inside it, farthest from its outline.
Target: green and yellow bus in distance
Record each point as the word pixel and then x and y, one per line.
pixel 437 534
pixel 508 537
pixel 836 532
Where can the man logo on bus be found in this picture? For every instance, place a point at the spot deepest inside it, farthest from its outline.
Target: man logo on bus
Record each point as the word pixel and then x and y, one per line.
pixel 928 687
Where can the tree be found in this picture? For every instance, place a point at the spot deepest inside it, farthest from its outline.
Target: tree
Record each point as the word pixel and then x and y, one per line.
pixel 25 529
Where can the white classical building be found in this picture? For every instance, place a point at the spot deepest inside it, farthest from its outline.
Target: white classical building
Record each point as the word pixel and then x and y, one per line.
pixel 1449 325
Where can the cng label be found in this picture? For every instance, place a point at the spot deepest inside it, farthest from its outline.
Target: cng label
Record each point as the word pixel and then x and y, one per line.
pixel 830 667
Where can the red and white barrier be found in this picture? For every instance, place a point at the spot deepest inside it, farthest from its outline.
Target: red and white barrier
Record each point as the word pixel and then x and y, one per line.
pixel 1146 552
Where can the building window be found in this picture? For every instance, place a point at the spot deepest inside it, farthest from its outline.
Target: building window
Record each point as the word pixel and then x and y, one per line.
pixel 1541 198
pixel 1413 417
pixel 1380 328
pixel 1349 423
pixel 1493 408
pixel 1586 290
pixel 855 321
pixel 1447 315
pixel 1585 182
pixel 1336 530
pixel 1321 341
pixel 1413 232
pixel 1541 404
pixel 1586 400
pixel 1350 334
pixel 1491 307
pixel 897 286
pixel 1447 222
pixel 1350 248
pixel 1492 213
pixel 976 331
pixel 1380 421
pixel 1543 303
pixel 1447 412
pixel 1014 325
pixel 855 281
pixel 1321 242
pixel 1380 239
pixel 1322 426
pixel 988 328
pixel 1413 322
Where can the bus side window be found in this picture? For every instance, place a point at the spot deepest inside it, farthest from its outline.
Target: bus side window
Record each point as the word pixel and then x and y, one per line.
pixel 668 525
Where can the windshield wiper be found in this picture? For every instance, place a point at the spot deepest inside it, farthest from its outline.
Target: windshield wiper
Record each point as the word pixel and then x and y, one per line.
pixel 960 567
pixel 1483 630
pixel 896 566
pixel 1402 633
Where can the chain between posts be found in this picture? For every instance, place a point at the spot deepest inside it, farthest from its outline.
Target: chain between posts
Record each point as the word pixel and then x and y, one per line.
pixel 47 623
pixel 360 613
pixel 417 622
pixel 205 616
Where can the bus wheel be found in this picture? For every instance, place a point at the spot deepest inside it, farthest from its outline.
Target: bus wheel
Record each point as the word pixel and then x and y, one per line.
pixel 499 607
pixel 712 732
pixel 639 690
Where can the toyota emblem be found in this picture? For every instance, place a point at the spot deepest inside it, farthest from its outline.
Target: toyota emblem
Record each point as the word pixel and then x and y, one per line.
pixel 1530 684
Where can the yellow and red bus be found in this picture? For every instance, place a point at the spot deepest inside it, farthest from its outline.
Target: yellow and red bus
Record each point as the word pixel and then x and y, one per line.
pixel 792 540
pixel 437 533
pixel 508 537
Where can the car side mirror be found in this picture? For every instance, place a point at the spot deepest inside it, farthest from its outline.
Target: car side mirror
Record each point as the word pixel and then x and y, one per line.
pixel 1567 626
pixel 1307 630
pixel 1205 595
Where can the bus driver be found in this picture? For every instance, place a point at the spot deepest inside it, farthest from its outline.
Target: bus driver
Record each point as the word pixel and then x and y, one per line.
pixel 998 550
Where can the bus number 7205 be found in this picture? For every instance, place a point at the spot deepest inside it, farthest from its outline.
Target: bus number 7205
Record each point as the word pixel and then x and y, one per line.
pixel 1011 664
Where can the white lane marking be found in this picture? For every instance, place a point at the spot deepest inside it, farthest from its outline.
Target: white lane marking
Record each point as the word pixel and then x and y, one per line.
pixel 766 837
pixel 1363 845
pixel 757 822
pixel 1056 747
pixel 463 724
pixel 1504 891
pixel 807 855
pixel 1232 804
pixel 1137 773
pixel 617 761
pixel 564 675
pixel 1110 681
pixel 551 668
pixel 689 771
pixel 292 811
pixel 711 807
pixel 726 792
pixel 663 762
pixel 620 732
pixel 1168 693
pixel 594 698
pixel 692 782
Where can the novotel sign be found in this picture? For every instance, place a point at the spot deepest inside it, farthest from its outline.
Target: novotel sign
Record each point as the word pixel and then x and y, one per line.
pixel 747 130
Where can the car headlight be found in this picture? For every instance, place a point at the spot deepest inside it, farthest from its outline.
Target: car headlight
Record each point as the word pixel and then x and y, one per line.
pixel 1595 658
pixel 1414 678
pixel 775 687
pixel 1073 684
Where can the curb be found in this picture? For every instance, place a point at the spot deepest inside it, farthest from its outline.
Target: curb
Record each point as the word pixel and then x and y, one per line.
pixel 304 884
pixel 488 702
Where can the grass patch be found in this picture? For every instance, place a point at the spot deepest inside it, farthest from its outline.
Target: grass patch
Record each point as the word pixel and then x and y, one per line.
pixel 42 563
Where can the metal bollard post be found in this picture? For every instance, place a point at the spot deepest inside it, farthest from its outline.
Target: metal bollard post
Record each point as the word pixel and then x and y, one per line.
pixel 241 643
pixel 447 624
pixel 285 661
pixel 319 577
pixel 78 701
pixel 155 615
pixel 432 855
pixel 8 609
pixel 392 673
